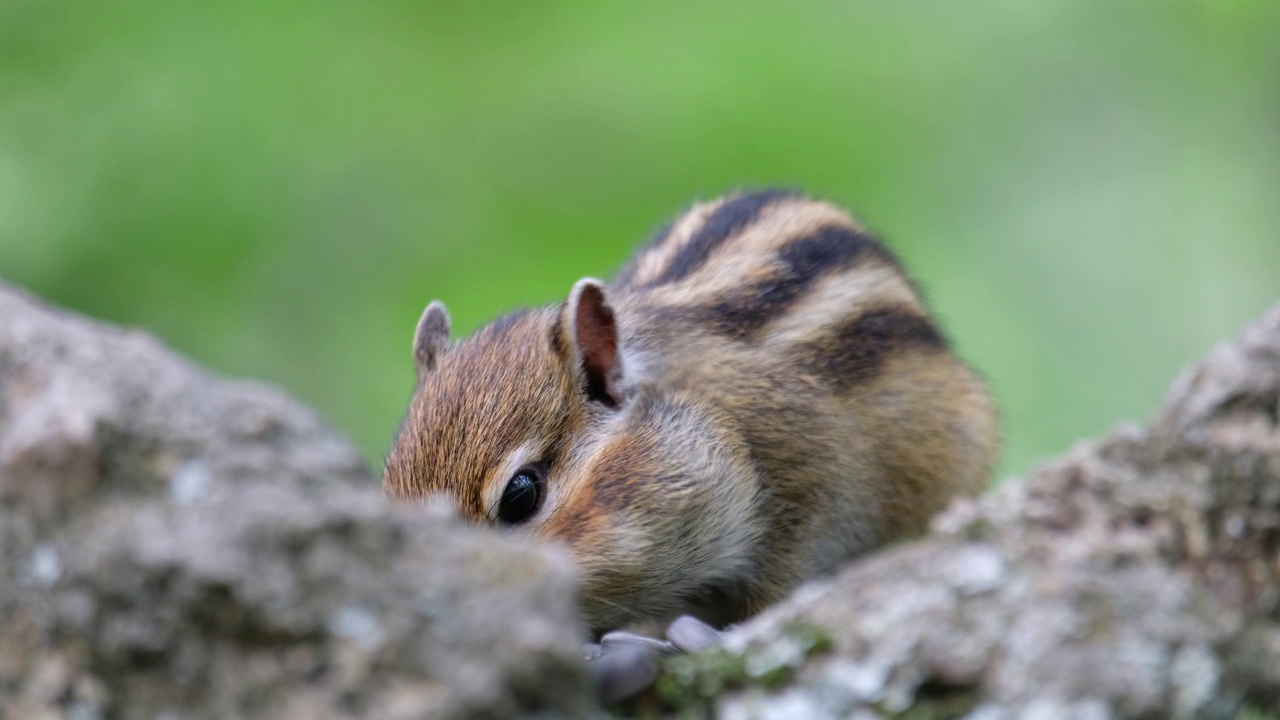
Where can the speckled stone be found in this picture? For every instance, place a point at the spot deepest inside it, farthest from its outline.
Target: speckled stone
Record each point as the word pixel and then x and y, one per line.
pixel 177 545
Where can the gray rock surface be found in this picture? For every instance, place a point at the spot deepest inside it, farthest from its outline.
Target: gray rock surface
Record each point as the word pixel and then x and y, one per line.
pixel 175 545
pixel 1136 577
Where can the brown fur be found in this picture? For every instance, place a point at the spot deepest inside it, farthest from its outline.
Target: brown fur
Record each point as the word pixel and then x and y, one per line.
pixel 773 400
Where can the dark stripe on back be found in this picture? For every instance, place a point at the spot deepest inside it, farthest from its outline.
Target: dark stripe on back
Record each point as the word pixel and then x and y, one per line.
pixel 829 249
pixel 857 348
pixel 730 218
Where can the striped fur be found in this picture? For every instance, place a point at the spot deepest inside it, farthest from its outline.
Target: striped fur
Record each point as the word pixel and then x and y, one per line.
pixel 785 402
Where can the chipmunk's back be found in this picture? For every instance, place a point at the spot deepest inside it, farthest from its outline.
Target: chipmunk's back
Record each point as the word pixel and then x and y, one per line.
pixel 777 268
pixel 810 338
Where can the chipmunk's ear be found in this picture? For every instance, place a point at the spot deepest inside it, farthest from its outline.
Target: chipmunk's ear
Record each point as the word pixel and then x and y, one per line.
pixel 431 337
pixel 592 330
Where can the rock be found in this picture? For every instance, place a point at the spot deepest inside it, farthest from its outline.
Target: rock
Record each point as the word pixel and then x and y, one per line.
pixel 1136 577
pixel 176 545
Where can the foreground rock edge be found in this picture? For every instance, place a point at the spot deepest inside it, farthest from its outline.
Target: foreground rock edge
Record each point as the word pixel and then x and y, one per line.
pixel 173 544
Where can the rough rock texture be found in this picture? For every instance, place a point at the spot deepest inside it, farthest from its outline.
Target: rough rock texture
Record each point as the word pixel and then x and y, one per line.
pixel 174 545
pixel 1137 577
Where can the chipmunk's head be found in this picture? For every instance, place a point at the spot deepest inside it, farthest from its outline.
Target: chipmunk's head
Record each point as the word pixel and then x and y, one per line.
pixel 541 423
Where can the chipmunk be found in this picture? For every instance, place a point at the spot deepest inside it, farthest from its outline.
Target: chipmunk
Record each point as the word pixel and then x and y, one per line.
pixel 758 396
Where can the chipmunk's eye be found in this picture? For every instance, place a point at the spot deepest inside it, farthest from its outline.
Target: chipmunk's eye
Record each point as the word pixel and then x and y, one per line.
pixel 522 496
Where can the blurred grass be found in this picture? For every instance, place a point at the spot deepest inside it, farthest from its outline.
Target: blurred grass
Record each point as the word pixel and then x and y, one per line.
pixel 1087 190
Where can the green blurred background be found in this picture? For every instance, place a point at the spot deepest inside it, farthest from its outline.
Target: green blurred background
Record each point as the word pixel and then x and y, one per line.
pixel 1088 190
